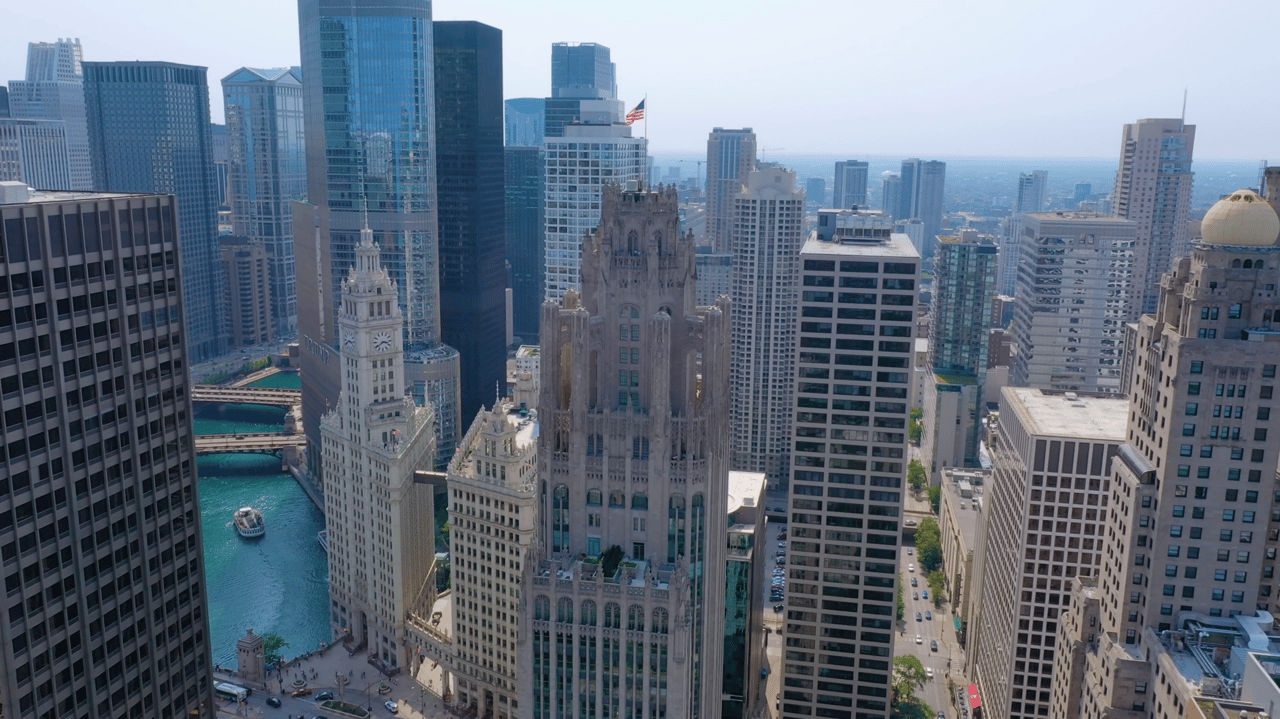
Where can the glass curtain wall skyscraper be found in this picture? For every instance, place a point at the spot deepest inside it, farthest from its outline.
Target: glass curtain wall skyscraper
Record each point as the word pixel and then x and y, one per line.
pixel 525 179
pixel 268 168
pixel 149 132
pixel 54 90
pixel 731 156
pixel 473 248
pixel 369 109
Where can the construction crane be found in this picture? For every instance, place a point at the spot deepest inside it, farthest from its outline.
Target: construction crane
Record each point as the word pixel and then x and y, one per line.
pixel 700 164
pixel 764 150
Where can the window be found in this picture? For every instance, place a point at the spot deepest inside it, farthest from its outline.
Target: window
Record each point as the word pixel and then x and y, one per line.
pixel 1197 367
pixel 1251 496
pixel 1242 576
pixel 1225 536
pixel 1185 450
pixel 1170 570
pixel 1202 492
pixel 1219 575
pixel 1257 455
pixel 1233 312
pixel 1193 388
pixel 1237 597
pixel 1175 530
pixel 1247 518
pixel 1208 313
pixel 1202 472
pixel 1139 688
pixel 1218 595
pixel 1192 409
pixel 1237 453
pixel 1193 553
pixel 1179 510
pixel 1232 495
pixel 1241 558
pixel 1168 590
pixel 1189 573
pixel 1195 532
pixel 1268 370
pixel 1206 451
pixel 1207 334
pixel 1188 430
pixel 1264 413
pixel 1184 470
pixel 1181 489
pixel 1166 609
pixel 1265 392
pixel 1233 474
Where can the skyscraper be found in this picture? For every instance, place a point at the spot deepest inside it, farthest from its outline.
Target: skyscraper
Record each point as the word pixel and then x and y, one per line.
pixel 1030 199
pixel 768 222
pixel 34 152
pixel 1153 189
pixel 380 521
pixel 268 168
pixel 1031 188
pixel 959 335
pixel 849 463
pixel 582 70
pixel 525 178
pixel 473 248
pixel 1075 287
pixel 1052 454
pixel 588 158
pixel 525 121
pixel 731 156
pixel 149 132
pixel 1193 491
pixel 372 160
pixel 891 194
pixel 54 90
pixel 109 618
pixel 632 524
pixel 920 197
pixel 850 185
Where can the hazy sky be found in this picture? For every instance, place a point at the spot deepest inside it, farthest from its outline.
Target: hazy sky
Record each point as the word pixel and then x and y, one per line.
pixel 848 77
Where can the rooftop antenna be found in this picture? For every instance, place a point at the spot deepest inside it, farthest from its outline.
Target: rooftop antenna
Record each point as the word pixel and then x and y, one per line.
pixel 1184 108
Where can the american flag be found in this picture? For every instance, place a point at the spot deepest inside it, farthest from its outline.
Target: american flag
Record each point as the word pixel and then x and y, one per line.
pixel 636 114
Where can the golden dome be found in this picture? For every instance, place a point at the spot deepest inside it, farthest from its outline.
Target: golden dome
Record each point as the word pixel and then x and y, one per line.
pixel 1242 218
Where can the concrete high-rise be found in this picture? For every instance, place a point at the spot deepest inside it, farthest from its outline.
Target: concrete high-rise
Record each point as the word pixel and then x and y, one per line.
pixel 525 121
pixel 891 194
pixel 54 90
pixel 370 163
pixel 959 336
pixel 580 165
pixel 469 173
pixel 108 617
pixel 1191 533
pixel 1046 522
pixel 35 152
pixel 267 168
pixel 1153 189
pixel 525 172
pixel 920 198
pixel 246 269
pixel 149 132
pixel 849 466
pixel 768 226
pixel 632 451
pixel 1075 287
pixel 850 189
pixel 731 156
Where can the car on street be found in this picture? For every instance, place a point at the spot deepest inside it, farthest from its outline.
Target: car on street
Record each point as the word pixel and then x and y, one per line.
pixel 924 593
pixel 913 582
pixel 782 545
pixel 910 551
pixel 919 640
pixel 911 567
pixel 391 707
pixel 915 595
pixel 933 644
pixel 929 671
pixel 917 616
pixel 273 702
pixel 324 696
pixel 928 615
pixel 302 692
pixel 783 535
pixel 779 607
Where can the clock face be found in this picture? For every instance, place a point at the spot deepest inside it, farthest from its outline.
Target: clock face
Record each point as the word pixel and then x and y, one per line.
pixel 382 342
pixel 349 341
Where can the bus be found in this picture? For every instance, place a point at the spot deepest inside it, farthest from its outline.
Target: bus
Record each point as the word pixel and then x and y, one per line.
pixel 231 692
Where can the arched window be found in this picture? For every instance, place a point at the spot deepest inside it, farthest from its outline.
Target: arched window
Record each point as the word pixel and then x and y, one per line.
pixel 560 519
pixel 1248 264
pixel 589 613
pixel 542 608
pixel 635 618
pixel 657 240
pixel 612 616
pixel 660 620
pixel 639 500
pixel 617 499
pixel 633 242
pixel 1266 317
pixel 593 497
pixel 1236 264
pixel 564 610
pixel 675 527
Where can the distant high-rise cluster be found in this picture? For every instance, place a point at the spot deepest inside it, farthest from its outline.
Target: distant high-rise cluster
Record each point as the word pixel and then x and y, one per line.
pixel 52 96
pixel 1031 198
pixel 916 194
pixel 850 188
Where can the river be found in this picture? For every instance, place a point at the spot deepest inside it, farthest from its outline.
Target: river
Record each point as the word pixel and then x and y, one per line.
pixel 275 584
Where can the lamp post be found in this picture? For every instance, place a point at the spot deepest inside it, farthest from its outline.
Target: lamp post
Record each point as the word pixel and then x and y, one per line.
pixel 367 695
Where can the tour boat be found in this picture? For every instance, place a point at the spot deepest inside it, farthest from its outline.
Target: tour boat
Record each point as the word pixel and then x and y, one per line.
pixel 249 522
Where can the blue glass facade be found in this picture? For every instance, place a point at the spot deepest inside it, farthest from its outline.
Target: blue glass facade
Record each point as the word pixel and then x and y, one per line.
pixel 267 158
pixel 524 186
pixel 149 132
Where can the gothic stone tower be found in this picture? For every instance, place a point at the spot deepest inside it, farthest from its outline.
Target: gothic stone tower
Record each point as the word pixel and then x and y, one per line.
pixel 625 593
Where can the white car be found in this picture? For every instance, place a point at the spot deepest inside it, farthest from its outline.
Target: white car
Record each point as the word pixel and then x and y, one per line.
pixel 929 671
pixel 391 707
pixel 910 551
pixel 919 640
pixel 911 567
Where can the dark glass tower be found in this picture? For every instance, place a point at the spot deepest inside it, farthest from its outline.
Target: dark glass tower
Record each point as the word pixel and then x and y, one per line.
pixel 525 172
pixel 469 173
pixel 369 116
pixel 149 132
pixel 582 70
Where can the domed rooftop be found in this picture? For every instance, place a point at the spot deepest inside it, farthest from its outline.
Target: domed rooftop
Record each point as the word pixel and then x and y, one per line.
pixel 1242 218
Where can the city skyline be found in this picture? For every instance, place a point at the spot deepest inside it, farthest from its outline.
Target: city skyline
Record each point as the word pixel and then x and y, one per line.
pixel 938 112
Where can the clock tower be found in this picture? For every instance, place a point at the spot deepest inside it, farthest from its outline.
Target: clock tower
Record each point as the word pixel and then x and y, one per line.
pixel 379 520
